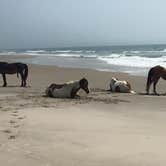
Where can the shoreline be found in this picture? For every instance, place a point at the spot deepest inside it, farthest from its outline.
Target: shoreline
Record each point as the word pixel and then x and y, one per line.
pixel 75 62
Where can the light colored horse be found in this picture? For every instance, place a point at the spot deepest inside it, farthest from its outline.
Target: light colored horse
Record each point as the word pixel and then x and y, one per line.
pixel 120 86
pixel 67 90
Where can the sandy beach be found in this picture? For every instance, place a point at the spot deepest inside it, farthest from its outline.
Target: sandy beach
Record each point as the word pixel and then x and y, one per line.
pixel 100 128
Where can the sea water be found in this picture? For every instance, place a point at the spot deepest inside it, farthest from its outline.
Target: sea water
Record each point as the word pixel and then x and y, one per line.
pixel 135 59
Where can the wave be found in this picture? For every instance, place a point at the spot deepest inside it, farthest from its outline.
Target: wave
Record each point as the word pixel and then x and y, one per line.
pixel 74 55
pixel 52 52
pixel 127 58
pixel 35 51
pixel 133 61
pixel 73 51
pixel 145 52
pixel 164 50
pixel 8 53
pixel 61 51
pixel 90 51
pixel 67 55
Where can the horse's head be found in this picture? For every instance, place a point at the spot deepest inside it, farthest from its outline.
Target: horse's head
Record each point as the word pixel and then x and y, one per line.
pixel 113 80
pixel 84 85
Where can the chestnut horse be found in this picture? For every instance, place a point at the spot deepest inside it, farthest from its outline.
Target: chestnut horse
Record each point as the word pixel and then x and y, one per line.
pixel 154 75
pixel 13 68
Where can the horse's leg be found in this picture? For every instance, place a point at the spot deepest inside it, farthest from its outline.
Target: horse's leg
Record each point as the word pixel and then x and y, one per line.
pixel 25 83
pixel 22 79
pixel 4 80
pixel 149 82
pixel 74 93
pixel 25 74
pixel 148 86
pixel 154 86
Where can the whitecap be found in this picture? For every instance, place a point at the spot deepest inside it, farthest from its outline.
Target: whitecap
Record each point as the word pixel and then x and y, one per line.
pixel 134 61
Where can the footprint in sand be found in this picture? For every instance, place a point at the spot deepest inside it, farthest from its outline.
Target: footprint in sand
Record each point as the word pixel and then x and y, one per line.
pixel 15 111
pixel 21 117
pixel 14 114
pixel 16 126
pixel 12 122
pixel 7 131
pixel 12 137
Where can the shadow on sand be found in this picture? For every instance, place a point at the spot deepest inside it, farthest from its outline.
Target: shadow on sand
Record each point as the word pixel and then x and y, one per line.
pixel 15 86
pixel 151 94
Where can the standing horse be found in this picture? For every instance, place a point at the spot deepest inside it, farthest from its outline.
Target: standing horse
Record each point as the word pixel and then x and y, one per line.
pixel 154 75
pixel 12 68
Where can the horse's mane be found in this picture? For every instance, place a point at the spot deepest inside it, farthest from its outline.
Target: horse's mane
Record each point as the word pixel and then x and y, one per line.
pixel 71 82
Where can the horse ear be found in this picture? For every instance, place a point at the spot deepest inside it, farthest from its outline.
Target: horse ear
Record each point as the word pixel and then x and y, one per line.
pixel 83 80
pixel 114 78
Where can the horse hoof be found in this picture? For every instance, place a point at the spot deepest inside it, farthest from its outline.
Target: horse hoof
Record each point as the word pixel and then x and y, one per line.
pixel 156 94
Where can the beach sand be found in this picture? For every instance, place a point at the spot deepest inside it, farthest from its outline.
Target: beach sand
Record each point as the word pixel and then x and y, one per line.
pixel 100 128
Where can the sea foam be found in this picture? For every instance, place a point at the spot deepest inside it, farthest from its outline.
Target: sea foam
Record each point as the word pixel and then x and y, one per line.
pixel 133 61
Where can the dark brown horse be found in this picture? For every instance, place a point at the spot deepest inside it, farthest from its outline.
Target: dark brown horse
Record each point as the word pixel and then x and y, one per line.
pixel 14 68
pixel 153 77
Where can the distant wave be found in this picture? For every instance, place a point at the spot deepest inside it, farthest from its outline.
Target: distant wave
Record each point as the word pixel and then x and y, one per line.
pixel 61 51
pixel 90 51
pixel 164 50
pixel 72 51
pixel 145 52
pixel 135 57
pixel 67 55
pixel 8 53
pixel 35 51
pixel 74 55
pixel 133 61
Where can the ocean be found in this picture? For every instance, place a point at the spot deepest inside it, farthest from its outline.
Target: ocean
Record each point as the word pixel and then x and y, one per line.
pixel 135 60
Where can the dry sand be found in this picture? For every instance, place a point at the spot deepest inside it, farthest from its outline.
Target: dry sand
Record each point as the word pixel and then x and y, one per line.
pixel 100 129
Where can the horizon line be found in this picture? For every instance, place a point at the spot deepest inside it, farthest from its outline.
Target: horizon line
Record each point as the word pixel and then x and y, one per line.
pixel 90 46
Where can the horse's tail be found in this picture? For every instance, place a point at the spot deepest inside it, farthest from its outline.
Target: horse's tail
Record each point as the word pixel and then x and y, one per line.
pixel 149 80
pixel 26 72
pixel 17 74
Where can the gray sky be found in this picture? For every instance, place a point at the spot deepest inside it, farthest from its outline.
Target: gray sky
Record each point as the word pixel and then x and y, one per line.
pixel 61 23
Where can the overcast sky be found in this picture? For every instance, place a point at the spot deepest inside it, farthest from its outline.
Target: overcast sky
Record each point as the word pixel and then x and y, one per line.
pixel 61 23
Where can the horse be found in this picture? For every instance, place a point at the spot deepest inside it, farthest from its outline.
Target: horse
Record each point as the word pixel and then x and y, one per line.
pixel 67 90
pixel 120 86
pixel 13 68
pixel 154 75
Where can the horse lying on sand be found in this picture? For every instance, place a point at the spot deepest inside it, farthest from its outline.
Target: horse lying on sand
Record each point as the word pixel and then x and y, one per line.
pixel 154 75
pixel 120 86
pixel 67 90
pixel 12 68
